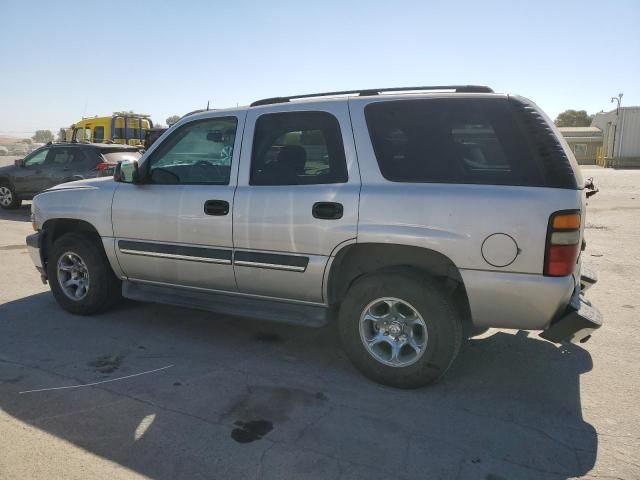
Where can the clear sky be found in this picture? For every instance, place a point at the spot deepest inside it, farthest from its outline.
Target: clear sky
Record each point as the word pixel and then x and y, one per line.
pixel 62 60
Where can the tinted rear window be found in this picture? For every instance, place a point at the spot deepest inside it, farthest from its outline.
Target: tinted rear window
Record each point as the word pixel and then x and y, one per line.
pixel 449 140
pixel 115 157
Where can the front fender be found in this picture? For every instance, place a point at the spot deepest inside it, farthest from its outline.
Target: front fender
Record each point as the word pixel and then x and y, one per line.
pixel 86 201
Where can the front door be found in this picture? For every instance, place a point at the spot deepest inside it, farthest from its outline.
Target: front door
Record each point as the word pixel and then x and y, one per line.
pixel 297 199
pixel 33 176
pixel 175 227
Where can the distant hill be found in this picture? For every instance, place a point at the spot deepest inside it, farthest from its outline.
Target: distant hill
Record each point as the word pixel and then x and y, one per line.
pixel 9 140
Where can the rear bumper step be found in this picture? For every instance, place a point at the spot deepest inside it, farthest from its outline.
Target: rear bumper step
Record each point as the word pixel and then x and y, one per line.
pixel 588 277
pixel 576 325
pixel 580 319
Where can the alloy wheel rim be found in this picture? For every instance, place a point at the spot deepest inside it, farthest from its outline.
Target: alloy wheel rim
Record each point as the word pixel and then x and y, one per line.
pixel 393 332
pixel 73 276
pixel 6 197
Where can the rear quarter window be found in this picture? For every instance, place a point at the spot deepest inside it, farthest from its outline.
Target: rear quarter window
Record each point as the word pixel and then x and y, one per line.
pixel 477 141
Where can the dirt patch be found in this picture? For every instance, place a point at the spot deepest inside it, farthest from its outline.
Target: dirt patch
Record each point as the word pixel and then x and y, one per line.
pixel 106 364
pixel 13 380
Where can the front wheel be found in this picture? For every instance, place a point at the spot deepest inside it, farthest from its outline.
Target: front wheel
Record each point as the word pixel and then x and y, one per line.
pixel 80 276
pixel 8 199
pixel 400 329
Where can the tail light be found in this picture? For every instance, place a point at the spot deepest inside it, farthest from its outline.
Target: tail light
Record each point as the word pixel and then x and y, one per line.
pixel 104 166
pixel 563 243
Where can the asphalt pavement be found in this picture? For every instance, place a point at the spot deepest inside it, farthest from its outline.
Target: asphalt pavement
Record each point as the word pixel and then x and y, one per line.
pixel 205 396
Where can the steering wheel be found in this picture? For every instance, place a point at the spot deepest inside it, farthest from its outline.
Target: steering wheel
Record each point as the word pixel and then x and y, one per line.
pixel 203 163
pixel 203 168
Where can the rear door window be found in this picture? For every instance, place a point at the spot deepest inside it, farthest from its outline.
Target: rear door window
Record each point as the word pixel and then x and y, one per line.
pixel 451 141
pixel 68 157
pixel 297 148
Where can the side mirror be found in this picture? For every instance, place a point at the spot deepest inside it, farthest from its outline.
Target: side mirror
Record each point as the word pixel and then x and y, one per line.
pixel 19 163
pixel 126 172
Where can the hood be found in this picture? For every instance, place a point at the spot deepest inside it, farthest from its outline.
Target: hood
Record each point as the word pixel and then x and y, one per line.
pixel 105 183
pixel 7 169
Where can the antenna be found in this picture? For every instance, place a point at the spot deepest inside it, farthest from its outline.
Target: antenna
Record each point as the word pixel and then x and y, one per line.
pixel 207 105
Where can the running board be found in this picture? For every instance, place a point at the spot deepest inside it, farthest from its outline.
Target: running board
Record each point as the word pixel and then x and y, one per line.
pixel 234 305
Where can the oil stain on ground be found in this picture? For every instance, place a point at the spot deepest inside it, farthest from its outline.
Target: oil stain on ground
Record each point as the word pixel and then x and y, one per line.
pixel 251 431
pixel 106 364
pixel 256 412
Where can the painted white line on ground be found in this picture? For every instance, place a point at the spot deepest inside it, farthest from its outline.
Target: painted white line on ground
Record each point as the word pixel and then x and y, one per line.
pixel 95 383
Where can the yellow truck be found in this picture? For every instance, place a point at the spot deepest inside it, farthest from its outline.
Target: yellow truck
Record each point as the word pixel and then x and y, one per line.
pixel 122 127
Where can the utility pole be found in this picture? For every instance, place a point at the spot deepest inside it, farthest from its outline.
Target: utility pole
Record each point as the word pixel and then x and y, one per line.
pixel 615 127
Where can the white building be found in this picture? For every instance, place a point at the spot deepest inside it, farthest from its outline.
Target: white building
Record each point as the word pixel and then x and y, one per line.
pixel 621 136
pixel 585 143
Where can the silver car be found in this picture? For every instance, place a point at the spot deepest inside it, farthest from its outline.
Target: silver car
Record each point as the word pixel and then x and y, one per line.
pixel 416 217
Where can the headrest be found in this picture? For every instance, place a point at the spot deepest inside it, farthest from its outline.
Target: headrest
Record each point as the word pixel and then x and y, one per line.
pixel 292 158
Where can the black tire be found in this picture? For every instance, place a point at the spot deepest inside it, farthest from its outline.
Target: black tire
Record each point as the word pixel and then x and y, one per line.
pixel 104 291
pixel 7 189
pixel 426 295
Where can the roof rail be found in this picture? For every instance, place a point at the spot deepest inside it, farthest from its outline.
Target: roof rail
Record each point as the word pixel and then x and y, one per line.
pixel 194 112
pixel 376 91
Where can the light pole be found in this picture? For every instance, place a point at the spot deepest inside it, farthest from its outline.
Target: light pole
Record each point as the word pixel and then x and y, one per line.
pixel 615 127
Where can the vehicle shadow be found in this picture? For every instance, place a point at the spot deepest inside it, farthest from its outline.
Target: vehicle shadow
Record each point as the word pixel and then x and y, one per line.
pixel 238 398
pixel 21 214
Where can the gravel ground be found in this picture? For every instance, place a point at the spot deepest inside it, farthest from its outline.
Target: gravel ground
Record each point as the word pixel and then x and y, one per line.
pixel 246 399
pixel 7 160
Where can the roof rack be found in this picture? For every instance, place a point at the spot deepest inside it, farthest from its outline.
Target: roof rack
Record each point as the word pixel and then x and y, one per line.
pixel 376 91
pixel 194 112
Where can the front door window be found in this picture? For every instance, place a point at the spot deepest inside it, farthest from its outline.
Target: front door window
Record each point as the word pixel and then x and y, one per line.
pixel 37 159
pixel 198 153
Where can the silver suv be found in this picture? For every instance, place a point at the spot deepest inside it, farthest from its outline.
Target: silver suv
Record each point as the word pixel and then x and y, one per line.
pixel 417 217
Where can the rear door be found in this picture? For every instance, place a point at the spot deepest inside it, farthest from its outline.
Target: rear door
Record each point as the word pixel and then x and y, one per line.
pixel 66 165
pixel 297 198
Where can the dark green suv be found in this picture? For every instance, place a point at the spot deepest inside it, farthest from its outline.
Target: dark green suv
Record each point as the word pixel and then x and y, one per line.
pixel 58 163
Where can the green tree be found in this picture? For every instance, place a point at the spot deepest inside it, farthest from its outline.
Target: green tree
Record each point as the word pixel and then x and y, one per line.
pixel 172 119
pixel 43 136
pixel 574 118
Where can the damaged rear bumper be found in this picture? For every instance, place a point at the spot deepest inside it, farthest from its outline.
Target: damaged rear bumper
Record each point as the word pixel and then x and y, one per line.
pixel 580 319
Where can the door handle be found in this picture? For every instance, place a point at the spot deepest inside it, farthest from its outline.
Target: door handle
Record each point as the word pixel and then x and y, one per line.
pixel 216 207
pixel 327 210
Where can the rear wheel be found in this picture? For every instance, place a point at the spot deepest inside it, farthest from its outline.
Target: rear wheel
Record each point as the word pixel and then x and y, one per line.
pixel 8 199
pixel 80 276
pixel 400 329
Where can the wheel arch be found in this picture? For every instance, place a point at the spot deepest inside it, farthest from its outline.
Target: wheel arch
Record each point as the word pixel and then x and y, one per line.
pixel 358 259
pixel 56 227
